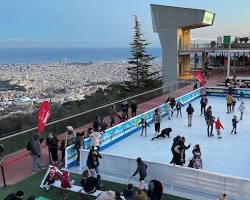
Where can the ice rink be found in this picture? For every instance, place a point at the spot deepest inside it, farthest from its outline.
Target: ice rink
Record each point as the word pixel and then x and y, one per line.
pixel 229 155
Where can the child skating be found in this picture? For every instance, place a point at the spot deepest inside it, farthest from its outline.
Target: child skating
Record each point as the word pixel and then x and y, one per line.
pixel 144 125
pixel 218 126
pixel 234 123
pixel 241 109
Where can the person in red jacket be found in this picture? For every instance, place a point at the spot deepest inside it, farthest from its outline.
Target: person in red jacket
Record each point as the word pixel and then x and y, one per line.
pixel 218 126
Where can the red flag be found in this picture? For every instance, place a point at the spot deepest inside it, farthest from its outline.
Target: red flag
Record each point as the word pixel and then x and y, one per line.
pixel 198 75
pixel 43 115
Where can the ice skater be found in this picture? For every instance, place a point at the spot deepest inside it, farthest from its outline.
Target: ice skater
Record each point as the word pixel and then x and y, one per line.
pixel 210 121
pixel 144 125
pixel 241 95
pixel 172 104
pixel 165 132
pixel 169 111
pixel 241 109
pixel 179 151
pixel 190 111
pixel 203 103
pixel 157 121
pixel 178 108
pixel 176 142
pixel 230 100
pixel 234 123
pixel 196 161
pixel 218 126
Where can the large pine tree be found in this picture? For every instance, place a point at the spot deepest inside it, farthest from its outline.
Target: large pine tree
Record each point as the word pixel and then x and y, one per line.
pixel 140 62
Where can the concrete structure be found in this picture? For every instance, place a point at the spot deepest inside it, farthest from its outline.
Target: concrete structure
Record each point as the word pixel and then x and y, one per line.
pixel 173 25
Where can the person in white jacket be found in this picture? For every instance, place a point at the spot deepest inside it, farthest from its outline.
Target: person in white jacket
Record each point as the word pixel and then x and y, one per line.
pixel 95 139
pixel 169 110
pixel 241 109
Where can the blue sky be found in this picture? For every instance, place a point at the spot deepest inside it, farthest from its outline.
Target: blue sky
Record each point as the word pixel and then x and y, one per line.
pixel 105 23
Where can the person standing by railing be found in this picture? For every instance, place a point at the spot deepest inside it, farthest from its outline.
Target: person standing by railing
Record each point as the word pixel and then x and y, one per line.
pixel 124 107
pixel 35 153
pixel 133 108
pixel 112 115
pixel 141 169
pixel 52 143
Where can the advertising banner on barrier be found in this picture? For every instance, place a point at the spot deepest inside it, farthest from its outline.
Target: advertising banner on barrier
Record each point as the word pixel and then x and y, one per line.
pixel 220 91
pixel 70 156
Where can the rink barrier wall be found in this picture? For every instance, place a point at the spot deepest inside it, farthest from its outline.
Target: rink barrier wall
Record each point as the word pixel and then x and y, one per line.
pixel 179 181
pixel 123 130
pixel 223 92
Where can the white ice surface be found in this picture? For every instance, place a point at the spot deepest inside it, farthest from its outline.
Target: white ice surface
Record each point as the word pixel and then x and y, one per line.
pixel 229 155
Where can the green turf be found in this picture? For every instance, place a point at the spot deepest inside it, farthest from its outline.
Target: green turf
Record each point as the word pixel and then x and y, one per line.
pixel 30 186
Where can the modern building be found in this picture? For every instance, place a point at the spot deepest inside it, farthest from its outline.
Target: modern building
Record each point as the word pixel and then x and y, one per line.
pixel 173 24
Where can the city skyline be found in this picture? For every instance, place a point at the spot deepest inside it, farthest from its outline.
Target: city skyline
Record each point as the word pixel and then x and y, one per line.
pixel 62 23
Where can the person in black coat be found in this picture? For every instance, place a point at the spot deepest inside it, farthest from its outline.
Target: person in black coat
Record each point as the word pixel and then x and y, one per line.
pixel 176 142
pixel 133 108
pixel 141 169
pixel 172 104
pixel 155 190
pixel 15 196
pixel 97 123
pixel 203 103
pixel 52 143
pixel 190 111
pixel 89 183
pixel 77 145
pixel 128 193
pixel 183 149
pixel 165 132
pixel 93 161
pixel 210 119
pixel 124 107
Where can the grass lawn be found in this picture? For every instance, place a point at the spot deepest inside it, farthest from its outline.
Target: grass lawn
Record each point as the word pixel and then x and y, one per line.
pixel 30 186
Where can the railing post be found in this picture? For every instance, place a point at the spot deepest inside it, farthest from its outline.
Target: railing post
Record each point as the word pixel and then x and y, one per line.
pixel 4 181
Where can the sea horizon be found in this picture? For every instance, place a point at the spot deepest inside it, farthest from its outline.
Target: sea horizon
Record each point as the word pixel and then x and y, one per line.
pixel 44 55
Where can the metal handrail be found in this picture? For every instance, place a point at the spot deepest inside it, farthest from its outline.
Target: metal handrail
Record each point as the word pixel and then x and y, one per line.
pixel 91 110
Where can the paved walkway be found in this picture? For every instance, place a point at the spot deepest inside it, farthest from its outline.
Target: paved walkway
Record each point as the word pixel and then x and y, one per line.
pixel 17 166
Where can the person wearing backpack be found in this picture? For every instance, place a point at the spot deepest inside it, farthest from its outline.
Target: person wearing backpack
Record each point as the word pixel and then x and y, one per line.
pixel 35 152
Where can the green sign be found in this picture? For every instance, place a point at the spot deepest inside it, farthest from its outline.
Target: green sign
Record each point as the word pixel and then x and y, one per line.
pixel 208 18
pixel 226 39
